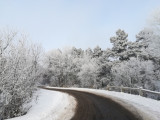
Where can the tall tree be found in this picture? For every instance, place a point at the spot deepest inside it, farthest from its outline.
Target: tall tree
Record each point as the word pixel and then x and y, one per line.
pixel 120 43
pixel 97 52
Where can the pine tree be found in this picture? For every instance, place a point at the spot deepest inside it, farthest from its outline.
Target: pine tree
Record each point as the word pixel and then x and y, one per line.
pixel 120 43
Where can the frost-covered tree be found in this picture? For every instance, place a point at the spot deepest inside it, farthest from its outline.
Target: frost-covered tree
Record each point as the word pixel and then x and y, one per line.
pixel 87 74
pixel 89 52
pixel 154 26
pixel 120 43
pixel 97 52
pixel 54 63
pixel 19 72
pixel 103 70
pixel 77 53
pixel 154 20
pixel 138 48
pixel 135 73
pixel 62 67
pixel 146 46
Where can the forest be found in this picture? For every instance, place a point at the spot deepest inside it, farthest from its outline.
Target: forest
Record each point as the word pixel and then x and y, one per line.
pixel 24 65
pixel 132 64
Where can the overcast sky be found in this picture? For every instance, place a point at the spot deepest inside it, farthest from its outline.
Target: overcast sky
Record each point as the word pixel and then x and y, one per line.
pixel 79 23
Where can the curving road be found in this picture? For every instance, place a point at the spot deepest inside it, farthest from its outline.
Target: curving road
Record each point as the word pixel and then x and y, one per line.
pixel 94 107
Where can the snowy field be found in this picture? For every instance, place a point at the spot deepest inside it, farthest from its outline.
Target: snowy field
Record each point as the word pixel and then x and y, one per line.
pixel 50 105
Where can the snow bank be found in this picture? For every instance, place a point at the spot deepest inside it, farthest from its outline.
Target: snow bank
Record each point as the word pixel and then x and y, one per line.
pixel 51 105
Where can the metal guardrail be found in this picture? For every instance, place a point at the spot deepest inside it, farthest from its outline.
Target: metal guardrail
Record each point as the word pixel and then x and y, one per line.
pixel 138 91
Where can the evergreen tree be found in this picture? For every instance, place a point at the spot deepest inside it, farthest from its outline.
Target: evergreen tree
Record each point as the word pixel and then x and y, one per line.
pixel 120 43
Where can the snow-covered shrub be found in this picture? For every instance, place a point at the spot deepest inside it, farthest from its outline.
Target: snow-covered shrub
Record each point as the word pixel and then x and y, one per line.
pixel 19 71
pixel 134 73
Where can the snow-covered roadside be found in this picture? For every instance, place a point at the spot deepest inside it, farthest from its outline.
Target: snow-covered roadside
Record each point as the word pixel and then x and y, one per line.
pixel 148 108
pixel 51 105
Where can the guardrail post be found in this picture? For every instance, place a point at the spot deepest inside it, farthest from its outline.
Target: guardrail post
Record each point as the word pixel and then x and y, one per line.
pixel 107 87
pixel 140 91
pixel 130 90
pixel 121 88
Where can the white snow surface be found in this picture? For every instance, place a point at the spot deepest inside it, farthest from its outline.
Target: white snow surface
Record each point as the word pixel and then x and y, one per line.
pixel 50 105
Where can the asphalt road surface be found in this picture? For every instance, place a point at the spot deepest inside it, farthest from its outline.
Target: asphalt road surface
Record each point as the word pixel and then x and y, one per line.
pixel 94 107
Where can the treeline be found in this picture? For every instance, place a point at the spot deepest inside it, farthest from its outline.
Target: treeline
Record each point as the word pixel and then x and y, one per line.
pixel 127 63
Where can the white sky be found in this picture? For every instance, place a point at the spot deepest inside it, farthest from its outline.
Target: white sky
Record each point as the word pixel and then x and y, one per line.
pixel 79 23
